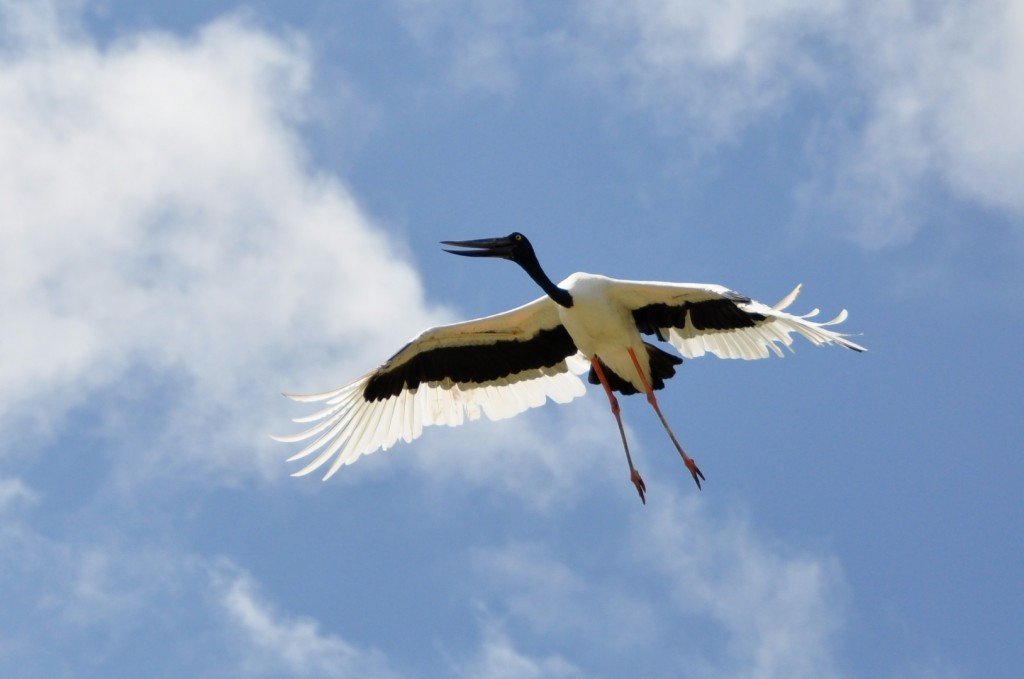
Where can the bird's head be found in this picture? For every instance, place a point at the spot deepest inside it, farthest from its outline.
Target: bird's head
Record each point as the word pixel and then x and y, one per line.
pixel 517 248
pixel 514 246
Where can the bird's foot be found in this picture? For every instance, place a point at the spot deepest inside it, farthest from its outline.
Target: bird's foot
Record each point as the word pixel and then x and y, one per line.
pixel 641 487
pixel 698 476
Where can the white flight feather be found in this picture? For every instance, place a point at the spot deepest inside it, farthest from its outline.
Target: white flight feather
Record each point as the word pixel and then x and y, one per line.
pixel 744 343
pixel 349 426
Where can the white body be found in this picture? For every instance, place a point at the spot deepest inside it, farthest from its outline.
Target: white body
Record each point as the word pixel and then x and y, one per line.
pixel 602 326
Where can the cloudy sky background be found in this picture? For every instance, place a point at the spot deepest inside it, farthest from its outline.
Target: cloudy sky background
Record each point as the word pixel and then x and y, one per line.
pixel 207 204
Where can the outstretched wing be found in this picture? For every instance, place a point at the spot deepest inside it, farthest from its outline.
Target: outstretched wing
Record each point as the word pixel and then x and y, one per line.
pixel 698 318
pixel 499 365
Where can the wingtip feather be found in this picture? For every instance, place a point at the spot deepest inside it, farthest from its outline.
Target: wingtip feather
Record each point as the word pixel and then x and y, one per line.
pixel 784 303
pixel 840 317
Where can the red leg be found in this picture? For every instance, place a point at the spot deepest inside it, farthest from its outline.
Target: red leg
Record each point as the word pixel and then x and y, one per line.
pixel 687 460
pixel 634 475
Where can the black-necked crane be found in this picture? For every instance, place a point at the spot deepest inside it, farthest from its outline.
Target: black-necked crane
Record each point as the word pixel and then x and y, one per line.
pixel 503 364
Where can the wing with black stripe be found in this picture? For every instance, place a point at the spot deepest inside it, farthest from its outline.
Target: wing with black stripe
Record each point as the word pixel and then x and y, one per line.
pixel 697 319
pixel 499 365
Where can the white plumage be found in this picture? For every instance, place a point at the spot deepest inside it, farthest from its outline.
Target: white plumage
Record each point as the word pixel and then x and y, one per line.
pixel 503 364
pixel 345 426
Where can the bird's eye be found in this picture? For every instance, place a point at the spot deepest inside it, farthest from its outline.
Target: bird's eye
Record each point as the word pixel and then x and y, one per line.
pixel 519 236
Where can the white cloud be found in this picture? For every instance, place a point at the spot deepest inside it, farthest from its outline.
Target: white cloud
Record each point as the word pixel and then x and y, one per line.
pixel 172 256
pixel 535 582
pixel 561 601
pixel 905 97
pixel 918 95
pixel 736 604
pixel 979 106
pixel 161 224
pixel 87 604
pixel 546 459
pixel 498 658
pixel 277 645
pixel 781 610
pixel 716 66
pixel 942 107
pixel 479 41
pixel 13 491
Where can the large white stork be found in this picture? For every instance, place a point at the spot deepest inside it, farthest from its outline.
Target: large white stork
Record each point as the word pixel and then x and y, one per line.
pixel 503 364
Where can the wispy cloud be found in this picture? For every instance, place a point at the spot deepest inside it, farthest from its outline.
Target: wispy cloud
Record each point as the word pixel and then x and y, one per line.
pixel 90 605
pixel 909 100
pixel 162 226
pixel 739 605
pixel 781 609
pixel 295 646
pixel 546 460
pixel 480 44
pixel 714 67
pixel 14 492
pixel 939 108
pixel 557 599
pixel 711 67
pixel 914 98
pixel 497 657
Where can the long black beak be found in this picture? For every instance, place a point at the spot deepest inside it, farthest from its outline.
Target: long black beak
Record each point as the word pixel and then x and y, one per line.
pixel 482 247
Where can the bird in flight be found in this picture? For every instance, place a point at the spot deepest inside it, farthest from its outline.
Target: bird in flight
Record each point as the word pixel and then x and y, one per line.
pixel 501 365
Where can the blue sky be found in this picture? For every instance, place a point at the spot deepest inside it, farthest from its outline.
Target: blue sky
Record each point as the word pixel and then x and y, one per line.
pixel 208 204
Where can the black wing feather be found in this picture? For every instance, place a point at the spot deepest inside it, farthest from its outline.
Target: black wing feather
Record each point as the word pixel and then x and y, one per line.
pixel 472 364
pixel 712 314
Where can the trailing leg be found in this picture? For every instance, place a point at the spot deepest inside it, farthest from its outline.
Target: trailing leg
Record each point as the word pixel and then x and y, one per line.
pixel 634 475
pixel 698 476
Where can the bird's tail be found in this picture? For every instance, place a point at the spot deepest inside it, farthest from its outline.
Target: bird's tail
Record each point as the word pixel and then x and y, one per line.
pixel 663 366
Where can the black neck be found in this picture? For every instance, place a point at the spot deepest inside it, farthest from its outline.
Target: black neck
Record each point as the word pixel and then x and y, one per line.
pixel 532 267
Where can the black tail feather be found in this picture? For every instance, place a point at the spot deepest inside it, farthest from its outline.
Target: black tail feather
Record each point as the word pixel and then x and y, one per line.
pixel 663 366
